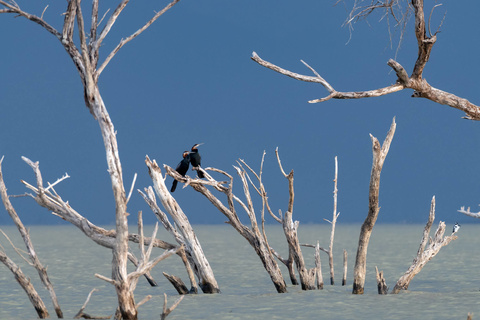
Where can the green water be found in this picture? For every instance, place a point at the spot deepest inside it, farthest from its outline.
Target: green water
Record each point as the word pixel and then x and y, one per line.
pixel 447 288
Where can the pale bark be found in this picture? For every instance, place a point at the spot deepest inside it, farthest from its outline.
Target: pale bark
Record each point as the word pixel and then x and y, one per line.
pixel 425 253
pixel 469 213
pixel 24 282
pixel 421 87
pixel 344 280
pixel 381 283
pixel 35 261
pixel 290 228
pixel 333 223
pixel 183 232
pixel 167 311
pixel 81 314
pixel 253 235
pixel 85 58
pixel 318 267
pixel 379 155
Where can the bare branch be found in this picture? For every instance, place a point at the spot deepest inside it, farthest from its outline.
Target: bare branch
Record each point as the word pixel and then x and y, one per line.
pixel 469 213
pixel 131 188
pixel 425 253
pixel 167 311
pixel 14 8
pixel 134 35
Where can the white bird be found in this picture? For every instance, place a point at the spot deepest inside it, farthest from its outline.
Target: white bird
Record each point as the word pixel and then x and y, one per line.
pixel 456 227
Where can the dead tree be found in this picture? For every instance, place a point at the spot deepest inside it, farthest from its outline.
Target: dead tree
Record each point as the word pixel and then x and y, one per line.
pixel 333 223
pixel 183 231
pixel 290 229
pixel 255 236
pixel 421 88
pixel 379 155
pixel 86 58
pixel 34 260
pixel 425 252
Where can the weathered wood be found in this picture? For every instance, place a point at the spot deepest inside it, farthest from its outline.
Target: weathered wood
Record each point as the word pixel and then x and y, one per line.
pixel 344 280
pixel 333 223
pixel 318 267
pixel 425 252
pixel 381 283
pixel 253 234
pixel 81 314
pixel 85 58
pixel 415 82
pixel 379 155
pixel 167 311
pixel 184 232
pixel 24 282
pixel 290 229
pixel 42 271
pixel 177 283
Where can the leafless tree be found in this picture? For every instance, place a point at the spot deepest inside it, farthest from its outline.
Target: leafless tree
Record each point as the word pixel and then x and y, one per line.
pixel 86 59
pixel 400 11
pixel 379 154
pixel 429 247
pixel 421 88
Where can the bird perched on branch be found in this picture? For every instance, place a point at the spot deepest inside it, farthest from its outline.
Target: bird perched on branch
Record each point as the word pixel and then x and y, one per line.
pixel 196 159
pixel 182 168
pixel 456 227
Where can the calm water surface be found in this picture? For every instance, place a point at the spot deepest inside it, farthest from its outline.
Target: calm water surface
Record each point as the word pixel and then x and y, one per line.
pixel 447 288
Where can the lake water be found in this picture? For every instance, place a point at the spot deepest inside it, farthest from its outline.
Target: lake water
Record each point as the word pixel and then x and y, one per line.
pixel 447 288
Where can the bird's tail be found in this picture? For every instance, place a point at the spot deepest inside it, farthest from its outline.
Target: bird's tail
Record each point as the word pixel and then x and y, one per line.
pixel 174 186
pixel 200 173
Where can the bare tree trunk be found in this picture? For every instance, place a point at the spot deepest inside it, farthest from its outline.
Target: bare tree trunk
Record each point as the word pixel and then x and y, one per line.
pixel 184 232
pixel 42 271
pixel 344 280
pixel 24 282
pixel 381 283
pixel 379 155
pixel 425 253
pixel 333 223
pixel 318 266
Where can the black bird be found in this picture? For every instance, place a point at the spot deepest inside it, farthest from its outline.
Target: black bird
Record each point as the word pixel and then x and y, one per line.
pixel 182 168
pixel 196 159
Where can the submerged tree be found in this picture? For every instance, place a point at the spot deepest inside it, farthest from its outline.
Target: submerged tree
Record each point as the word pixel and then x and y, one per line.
pixel 85 54
pixel 415 81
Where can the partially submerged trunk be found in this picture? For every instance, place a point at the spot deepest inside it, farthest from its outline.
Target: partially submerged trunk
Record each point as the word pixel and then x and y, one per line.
pixel 183 232
pixel 26 285
pixel 379 155
pixel 425 253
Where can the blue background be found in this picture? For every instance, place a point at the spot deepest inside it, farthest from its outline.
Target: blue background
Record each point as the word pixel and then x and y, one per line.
pixel 189 79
